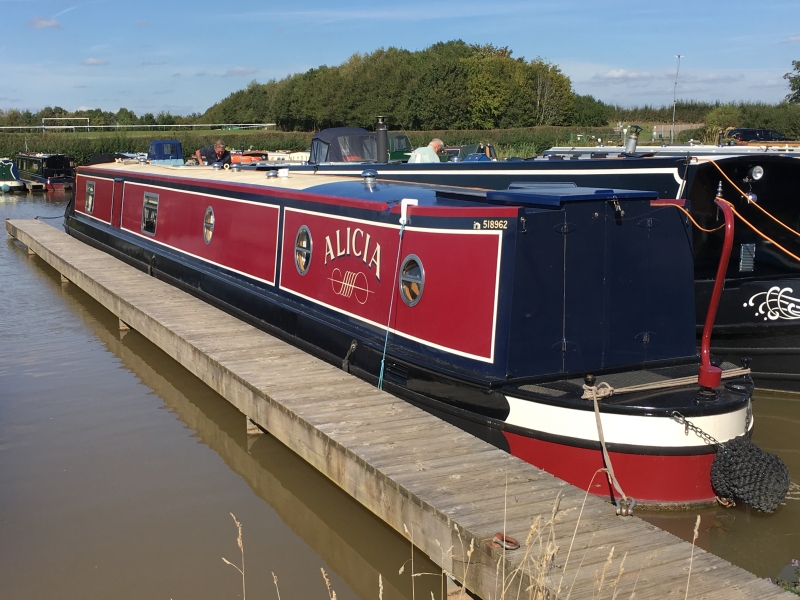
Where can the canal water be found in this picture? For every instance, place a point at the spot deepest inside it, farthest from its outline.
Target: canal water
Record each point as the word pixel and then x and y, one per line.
pixel 119 471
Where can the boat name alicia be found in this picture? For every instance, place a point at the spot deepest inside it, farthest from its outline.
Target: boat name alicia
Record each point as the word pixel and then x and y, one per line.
pixel 353 246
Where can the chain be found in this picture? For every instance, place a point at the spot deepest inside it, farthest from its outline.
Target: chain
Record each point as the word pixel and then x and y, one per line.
pixel 689 426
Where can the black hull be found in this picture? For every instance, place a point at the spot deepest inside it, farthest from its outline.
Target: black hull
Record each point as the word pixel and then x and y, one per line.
pixel 775 357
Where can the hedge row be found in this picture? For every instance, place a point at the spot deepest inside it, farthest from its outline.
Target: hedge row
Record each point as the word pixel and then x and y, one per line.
pixel 81 146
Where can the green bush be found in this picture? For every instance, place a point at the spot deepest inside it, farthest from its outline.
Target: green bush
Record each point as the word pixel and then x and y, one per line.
pixel 82 146
pixel 523 141
pixel 724 116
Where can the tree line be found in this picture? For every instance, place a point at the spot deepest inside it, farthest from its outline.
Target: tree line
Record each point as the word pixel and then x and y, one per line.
pixel 449 85
pixel 25 118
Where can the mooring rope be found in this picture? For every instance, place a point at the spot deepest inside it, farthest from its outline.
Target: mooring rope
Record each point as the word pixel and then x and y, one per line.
pixel 763 210
pixel 758 231
pixel 612 478
pixel 696 224
pixel 391 306
pixel 605 390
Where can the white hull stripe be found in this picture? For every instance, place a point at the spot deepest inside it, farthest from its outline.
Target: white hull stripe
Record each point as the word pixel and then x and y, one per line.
pixel 635 430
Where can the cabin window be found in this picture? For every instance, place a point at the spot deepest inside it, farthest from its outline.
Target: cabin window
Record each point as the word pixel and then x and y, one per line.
pixel 412 280
pixel 208 225
pixel 149 213
pixel 302 250
pixel 89 202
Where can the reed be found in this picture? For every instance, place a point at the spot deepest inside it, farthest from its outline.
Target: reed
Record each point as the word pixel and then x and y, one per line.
pixel 240 543
pixel 275 581
pixel 691 557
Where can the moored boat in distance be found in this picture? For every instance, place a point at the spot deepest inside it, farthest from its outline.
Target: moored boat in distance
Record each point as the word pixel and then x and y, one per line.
pixel 9 177
pixel 51 171
pixel 516 313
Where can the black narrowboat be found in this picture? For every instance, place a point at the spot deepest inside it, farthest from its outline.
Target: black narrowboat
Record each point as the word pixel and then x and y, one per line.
pixel 51 171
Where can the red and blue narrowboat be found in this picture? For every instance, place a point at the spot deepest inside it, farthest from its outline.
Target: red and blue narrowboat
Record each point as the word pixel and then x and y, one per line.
pixel 514 313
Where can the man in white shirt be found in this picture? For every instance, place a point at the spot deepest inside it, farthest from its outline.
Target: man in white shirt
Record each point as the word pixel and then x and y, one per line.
pixel 427 154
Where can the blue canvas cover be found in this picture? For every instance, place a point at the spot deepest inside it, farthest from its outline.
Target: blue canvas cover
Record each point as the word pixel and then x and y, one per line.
pixel 165 152
pixel 549 195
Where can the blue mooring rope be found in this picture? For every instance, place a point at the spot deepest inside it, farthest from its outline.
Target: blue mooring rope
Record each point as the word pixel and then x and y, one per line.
pixel 391 306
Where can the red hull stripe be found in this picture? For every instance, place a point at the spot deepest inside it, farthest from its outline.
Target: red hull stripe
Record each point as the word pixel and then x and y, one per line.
pixel 650 479
pixel 258 190
pixel 102 197
pixel 245 237
pixel 352 271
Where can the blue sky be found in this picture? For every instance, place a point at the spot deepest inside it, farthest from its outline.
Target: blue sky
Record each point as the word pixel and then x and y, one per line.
pixel 183 57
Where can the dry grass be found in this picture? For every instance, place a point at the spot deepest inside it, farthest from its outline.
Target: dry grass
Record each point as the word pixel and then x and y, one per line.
pixel 691 558
pixel 528 580
pixel 240 543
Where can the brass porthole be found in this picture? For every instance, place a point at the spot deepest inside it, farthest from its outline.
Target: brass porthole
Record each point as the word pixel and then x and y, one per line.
pixel 412 280
pixel 208 225
pixel 302 250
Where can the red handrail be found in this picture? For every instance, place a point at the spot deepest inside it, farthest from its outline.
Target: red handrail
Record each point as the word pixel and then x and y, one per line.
pixel 709 375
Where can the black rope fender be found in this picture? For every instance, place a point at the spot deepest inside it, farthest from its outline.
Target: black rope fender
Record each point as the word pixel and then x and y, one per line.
pixel 743 471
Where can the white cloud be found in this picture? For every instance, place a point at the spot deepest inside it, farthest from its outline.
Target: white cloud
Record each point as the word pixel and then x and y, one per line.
pixel 42 23
pixel 712 78
pixel 239 72
pixel 94 62
pixel 625 77
pixel 791 39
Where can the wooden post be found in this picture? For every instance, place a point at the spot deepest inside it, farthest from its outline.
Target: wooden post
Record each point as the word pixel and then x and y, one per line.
pixel 252 428
pixel 123 326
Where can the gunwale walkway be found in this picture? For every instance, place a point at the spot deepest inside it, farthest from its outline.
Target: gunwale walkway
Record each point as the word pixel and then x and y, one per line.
pixel 433 483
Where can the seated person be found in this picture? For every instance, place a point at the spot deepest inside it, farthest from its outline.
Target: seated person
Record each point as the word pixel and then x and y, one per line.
pixel 427 154
pixel 212 154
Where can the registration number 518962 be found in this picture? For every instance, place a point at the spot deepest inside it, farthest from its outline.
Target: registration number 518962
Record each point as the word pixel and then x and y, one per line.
pixel 495 224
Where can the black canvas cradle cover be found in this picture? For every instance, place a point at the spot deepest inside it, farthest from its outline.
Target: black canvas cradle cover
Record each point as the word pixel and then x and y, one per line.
pixel 343 144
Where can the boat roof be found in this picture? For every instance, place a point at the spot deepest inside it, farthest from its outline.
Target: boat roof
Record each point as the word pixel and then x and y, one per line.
pixel 542 196
pixel 38 154
pixel 296 181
